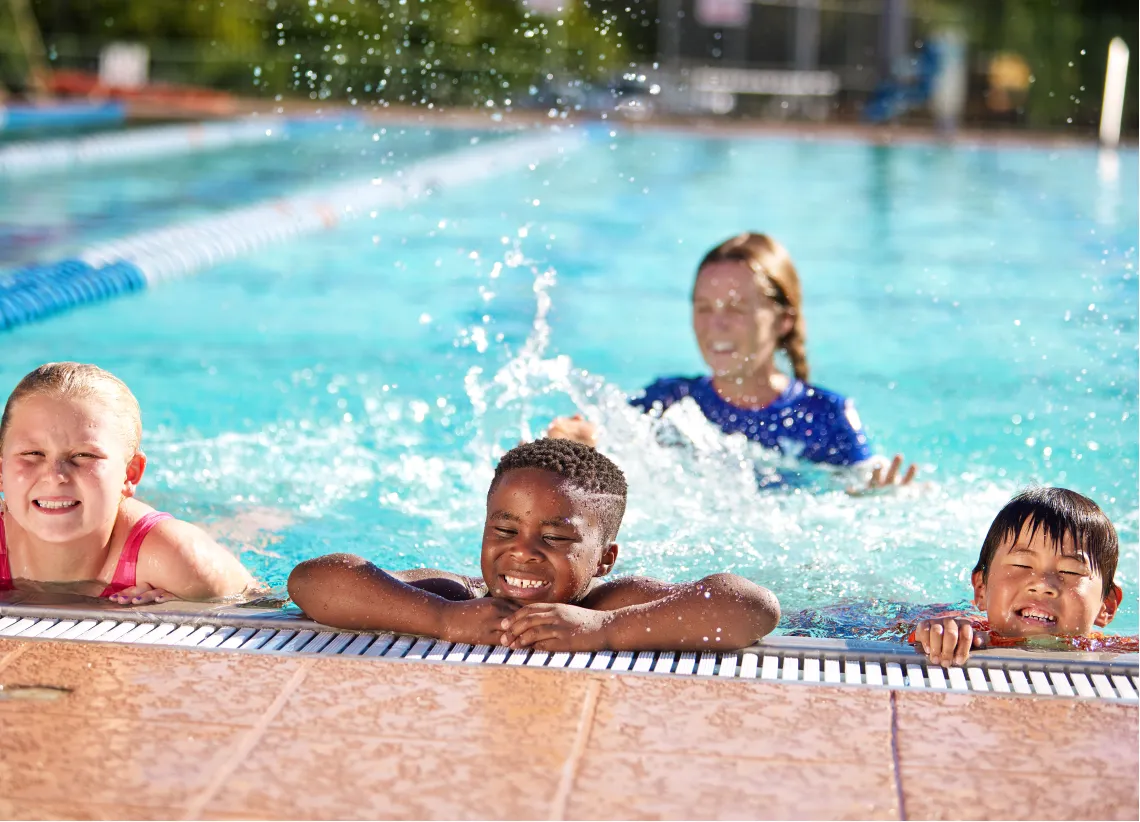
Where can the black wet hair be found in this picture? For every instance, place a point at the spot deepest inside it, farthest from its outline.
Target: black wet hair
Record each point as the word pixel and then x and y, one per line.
pixel 1060 512
pixel 583 467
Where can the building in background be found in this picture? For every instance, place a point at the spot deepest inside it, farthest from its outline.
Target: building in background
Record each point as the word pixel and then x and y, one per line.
pixel 1007 63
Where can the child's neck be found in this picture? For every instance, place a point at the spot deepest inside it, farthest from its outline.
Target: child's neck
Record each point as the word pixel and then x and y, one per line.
pixel 757 389
pixel 30 557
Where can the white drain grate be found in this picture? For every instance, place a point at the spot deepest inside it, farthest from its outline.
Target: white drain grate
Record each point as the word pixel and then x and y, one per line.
pixel 827 662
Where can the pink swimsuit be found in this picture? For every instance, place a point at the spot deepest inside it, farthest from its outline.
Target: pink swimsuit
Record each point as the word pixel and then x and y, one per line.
pixel 125 571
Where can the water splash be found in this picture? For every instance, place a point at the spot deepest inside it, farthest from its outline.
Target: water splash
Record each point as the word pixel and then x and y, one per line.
pixel 401 478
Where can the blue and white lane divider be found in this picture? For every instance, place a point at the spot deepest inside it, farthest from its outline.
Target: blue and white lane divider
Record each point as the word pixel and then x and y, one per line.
pixel 36 157
pixel 135 262
pixel 61 115
pixel 190 247
pixel 30 293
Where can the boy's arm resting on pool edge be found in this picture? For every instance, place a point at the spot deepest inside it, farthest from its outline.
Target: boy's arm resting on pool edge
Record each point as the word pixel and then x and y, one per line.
pixel 722 612
pixel 347 591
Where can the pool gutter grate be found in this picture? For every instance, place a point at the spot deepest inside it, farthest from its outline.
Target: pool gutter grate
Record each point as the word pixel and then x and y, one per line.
pixel 777 659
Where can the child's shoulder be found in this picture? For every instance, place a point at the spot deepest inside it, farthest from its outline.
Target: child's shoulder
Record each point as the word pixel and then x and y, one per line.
pixel 177 556
pixel 139 522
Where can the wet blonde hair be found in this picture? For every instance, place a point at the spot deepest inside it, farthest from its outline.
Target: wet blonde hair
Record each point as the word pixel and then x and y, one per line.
pixel 79 380
pixel 776 277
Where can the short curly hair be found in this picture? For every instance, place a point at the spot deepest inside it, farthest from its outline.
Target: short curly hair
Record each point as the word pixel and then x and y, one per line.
pixel 583 467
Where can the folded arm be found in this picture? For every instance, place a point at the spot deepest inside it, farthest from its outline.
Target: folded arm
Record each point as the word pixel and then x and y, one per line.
pixel 347 591
pixel 722 612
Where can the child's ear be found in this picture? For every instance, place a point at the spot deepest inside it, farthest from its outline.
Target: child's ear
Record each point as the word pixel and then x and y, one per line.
pixel 607 560
pixel 135 470
pixel 1108 608
pixel 978 580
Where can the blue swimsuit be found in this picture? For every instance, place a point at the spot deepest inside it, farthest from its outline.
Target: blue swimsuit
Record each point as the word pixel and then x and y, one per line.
pixel 804 421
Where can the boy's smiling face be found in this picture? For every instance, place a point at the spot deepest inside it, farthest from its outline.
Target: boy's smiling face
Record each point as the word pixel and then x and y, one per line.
pixel 544 540
pixel 1032 589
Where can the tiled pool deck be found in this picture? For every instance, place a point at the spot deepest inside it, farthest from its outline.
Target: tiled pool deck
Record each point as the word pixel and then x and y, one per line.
pixel 154 733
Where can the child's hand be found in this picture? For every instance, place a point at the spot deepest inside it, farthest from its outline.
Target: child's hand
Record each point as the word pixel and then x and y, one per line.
pixel 555 627
pixel 475 621
pixel 141 595
pixel 880 482
pixel 949 640
pixel 575 429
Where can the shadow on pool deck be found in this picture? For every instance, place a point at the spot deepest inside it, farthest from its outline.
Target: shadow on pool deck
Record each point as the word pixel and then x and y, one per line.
pixel 158 733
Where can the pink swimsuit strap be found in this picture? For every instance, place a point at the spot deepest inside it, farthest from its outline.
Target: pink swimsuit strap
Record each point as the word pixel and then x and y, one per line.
pixel 5 568
pixel 127 569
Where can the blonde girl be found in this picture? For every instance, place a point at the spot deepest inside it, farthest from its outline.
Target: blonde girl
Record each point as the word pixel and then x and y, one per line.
pixel 70 462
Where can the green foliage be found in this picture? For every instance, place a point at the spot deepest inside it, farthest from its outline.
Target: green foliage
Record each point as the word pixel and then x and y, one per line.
pixel 412 51
pixel 485 52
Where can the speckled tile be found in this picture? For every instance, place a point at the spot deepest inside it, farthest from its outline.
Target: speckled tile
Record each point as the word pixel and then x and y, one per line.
pixel 754 719
pixel 317 774
pixel 59 759
pixel 993 793
pixel 151 684
pixel 1097 738
pixel 31 810
pixel 441 701
pixel 671 786
pixel 10 649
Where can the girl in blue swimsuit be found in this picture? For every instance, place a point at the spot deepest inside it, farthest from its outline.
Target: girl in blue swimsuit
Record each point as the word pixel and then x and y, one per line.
pixel 746 306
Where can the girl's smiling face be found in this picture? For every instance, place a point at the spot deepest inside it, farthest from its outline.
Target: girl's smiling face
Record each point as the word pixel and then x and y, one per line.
pixel 65 465
pixel 738 327
pixel 1034 588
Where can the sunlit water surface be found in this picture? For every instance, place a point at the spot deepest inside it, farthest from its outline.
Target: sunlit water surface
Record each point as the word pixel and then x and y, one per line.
pixel 352 391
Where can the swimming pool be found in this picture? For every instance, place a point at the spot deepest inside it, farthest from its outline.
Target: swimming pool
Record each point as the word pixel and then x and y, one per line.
pixel 47 216
pixel 351 390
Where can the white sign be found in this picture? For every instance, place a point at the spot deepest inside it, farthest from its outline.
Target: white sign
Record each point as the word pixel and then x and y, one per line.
pixel 723 14
pixel 124 65
pixel 550 7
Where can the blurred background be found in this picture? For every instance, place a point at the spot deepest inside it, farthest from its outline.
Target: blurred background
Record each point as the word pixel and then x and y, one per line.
pixel 1011 64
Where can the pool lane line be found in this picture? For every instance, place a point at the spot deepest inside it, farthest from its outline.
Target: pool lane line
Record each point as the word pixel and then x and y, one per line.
pixel 183 249
pixel 133 263
pixel 39 157
pixel 38 291
pixel 15 118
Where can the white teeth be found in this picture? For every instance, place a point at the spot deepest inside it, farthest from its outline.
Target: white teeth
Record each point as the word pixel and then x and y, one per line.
pixel 722 347
pixel 55 505
pixel 518 582
pixel 1033 613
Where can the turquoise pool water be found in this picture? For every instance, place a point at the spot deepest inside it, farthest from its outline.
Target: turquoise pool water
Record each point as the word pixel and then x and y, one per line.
pixel 45 217
pixel 351 391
